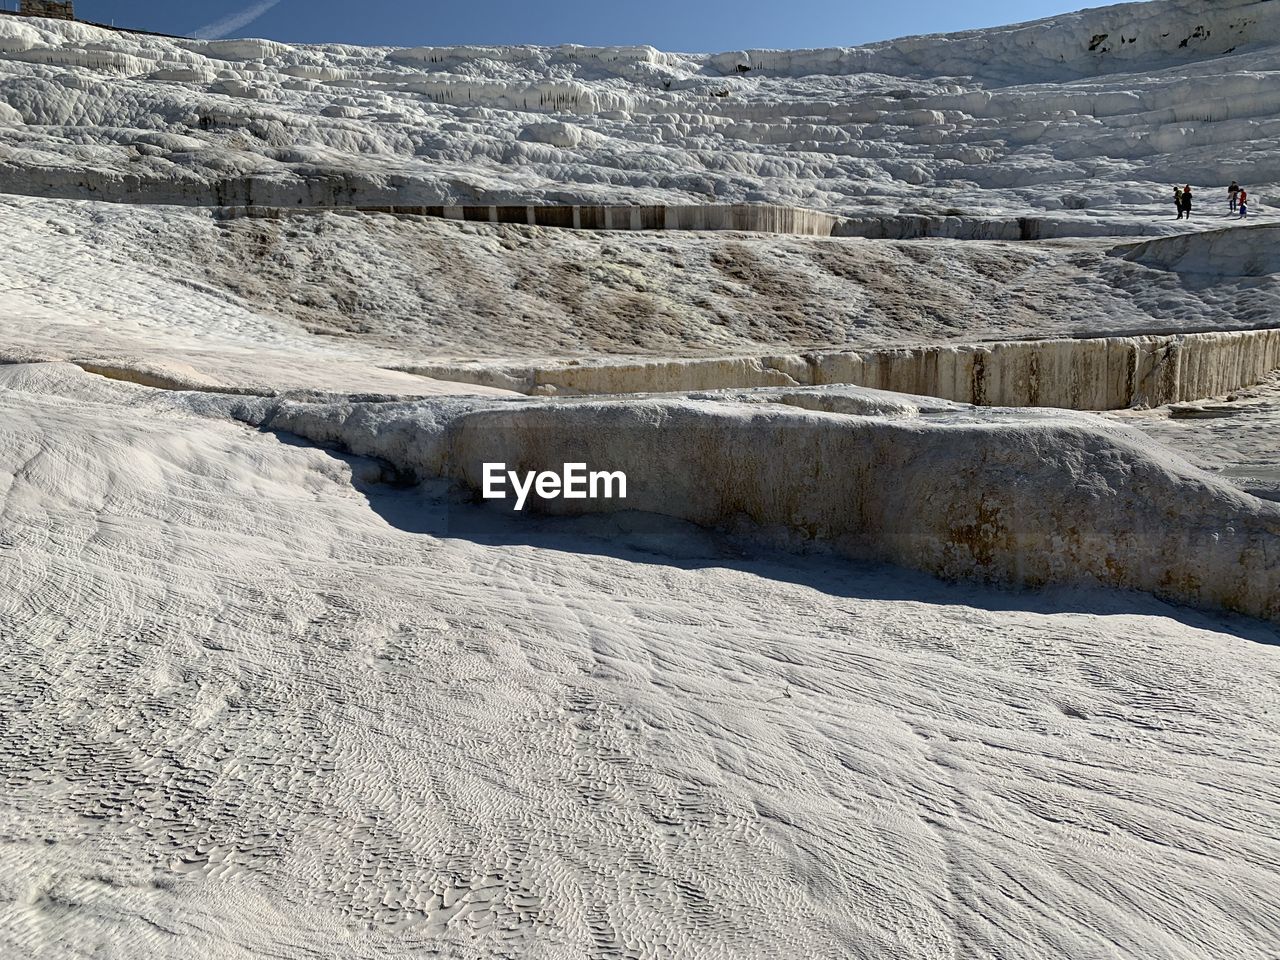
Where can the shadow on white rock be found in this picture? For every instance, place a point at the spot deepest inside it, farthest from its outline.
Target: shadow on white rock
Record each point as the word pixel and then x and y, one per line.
pixel 1003 496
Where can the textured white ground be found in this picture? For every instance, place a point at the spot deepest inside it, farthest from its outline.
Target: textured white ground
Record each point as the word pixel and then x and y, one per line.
pixel 332 301
pixel 260 699
pixel 1235 436
pixel 257 706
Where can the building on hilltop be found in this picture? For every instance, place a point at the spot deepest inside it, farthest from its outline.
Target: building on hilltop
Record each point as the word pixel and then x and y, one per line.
pixel 63 10
pixel 52 9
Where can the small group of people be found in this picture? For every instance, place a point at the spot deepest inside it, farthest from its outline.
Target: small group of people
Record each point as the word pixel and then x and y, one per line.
pixel 1237 200
pixel 1182 200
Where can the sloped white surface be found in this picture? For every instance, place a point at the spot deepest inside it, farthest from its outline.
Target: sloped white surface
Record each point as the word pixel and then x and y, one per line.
pixel 335 302
pixel 283 724
pixel 119 289
pixel 1217 255
pixel 1233 436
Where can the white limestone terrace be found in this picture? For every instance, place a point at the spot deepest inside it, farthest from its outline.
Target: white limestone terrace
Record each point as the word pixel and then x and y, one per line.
pixel 265 698
pixel 182 296
pixel 259 706
pixel 174 296
pixel 1087 119
pixel 1025 497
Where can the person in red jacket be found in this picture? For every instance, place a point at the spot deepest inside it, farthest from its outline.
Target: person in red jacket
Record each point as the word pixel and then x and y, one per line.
pixel 1244 204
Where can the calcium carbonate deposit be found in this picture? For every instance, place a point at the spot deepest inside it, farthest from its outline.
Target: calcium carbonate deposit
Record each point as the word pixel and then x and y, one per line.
pixel 941 616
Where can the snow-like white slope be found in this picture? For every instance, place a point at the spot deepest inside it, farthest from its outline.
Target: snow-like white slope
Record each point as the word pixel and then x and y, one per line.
pixel 119 288
pixel 1089 116
pixel 257 706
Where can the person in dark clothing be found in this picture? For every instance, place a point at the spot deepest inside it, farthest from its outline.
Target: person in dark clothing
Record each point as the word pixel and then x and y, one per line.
pixel 1177 200
pixel 1186 201
pixel 1233 196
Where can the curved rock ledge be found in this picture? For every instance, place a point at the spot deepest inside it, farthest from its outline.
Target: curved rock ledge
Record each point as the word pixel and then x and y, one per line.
pixel 1106 373
pixel 740 217
pixel 965 227
pixel 1241 251
pixel 278 199
pixel 1014 497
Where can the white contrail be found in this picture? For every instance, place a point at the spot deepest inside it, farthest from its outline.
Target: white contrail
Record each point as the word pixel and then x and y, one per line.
pixel 230 24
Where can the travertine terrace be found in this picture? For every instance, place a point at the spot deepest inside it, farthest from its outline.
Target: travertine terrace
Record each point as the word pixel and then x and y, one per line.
pixel 940 619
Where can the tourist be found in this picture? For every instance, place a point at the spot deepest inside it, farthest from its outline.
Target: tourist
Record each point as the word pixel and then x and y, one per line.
pixel 1177 200
pixel 1233 196
pixel 1244 204
pixel 1186 200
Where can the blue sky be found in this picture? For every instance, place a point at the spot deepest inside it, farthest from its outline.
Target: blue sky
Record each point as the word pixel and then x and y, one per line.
pixel 691 25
